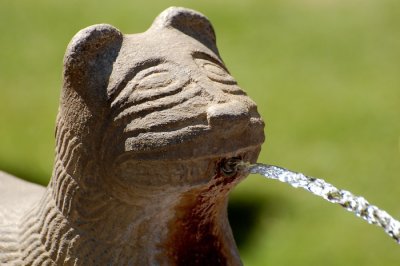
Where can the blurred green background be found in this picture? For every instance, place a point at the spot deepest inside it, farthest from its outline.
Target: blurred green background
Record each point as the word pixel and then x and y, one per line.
pixel 324 73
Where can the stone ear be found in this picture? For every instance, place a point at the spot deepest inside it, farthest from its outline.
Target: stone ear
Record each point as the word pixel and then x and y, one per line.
pixel 89 59
pixel 189 22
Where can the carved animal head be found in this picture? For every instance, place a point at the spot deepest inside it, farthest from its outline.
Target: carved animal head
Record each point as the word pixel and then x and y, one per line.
pixel 142 102
pixel 146 122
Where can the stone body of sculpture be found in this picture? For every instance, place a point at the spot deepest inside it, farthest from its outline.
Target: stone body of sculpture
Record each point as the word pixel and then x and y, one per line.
pixel 145 123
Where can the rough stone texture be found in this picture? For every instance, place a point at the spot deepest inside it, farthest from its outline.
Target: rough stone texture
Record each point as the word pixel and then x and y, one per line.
pixel 145 123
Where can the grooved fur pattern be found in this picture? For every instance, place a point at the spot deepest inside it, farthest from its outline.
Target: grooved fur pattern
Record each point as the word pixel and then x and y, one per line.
pixel 144 124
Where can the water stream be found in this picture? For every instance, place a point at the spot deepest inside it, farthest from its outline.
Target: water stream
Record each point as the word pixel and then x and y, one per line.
pixel 355 204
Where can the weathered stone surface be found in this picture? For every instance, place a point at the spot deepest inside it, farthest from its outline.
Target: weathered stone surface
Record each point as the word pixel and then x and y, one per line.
pixel 144 124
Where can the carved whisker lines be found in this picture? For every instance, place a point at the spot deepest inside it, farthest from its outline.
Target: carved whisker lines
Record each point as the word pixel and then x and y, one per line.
pixel 31 224
pixel 146 108
pixel 64 188
pixel 9 252
pixel 52 236
pixel 179 120
pixel 57 179
pixel 28 229
pixel 30 247
pixel 8 229
pixel 31 231
pixel 46 223
pixel 8 237
pixel 142 142
pixel 8 244
pixel 135 96
pixel 91 253
pixel 171 86
pixel 30 242
pixel 61 245
pixel 34 253
pixel 73 158
pixel 41 240
pixel 11 249
pixel 117 89
pixel 69 197
pixel 61 130
pixel 10 256
pixel 63 144
pixel 68 145
pixel 70 259
pixel 43 259
pixel 63 180
pixel 54 230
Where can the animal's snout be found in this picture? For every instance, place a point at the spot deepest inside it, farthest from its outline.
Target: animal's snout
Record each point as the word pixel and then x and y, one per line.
pixel 229 115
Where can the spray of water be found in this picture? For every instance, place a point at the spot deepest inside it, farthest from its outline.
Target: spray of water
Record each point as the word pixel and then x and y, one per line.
pixel 355 204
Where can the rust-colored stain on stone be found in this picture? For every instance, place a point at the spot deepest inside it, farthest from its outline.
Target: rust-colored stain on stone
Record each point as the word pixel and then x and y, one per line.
pixel 194 237
pixel 194 234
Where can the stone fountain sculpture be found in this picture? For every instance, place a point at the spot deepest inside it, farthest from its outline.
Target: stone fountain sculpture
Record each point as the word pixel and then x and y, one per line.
pixel 146 125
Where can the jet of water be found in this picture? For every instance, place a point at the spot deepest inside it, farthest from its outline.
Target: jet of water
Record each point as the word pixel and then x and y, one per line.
pixel 355 204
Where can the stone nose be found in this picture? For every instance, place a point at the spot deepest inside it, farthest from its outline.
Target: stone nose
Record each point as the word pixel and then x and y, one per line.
pixel 231 115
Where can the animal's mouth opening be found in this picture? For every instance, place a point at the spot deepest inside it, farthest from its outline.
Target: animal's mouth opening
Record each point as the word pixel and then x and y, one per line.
pixel 230 167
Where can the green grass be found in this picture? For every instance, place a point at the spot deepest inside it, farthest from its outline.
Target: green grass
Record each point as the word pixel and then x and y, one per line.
pixel 325 75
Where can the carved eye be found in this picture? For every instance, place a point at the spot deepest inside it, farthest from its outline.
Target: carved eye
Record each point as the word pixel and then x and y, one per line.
pixel 155 83
pixel 214 69
pixel 215 72
pixel 154 80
